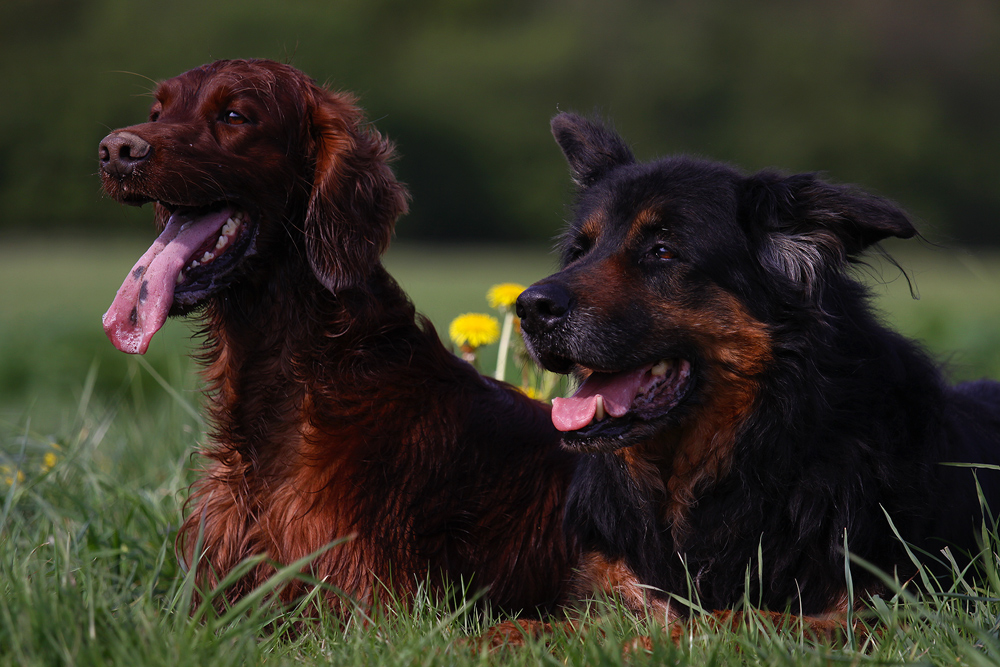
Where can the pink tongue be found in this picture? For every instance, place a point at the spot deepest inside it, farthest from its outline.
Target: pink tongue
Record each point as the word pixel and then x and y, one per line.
pixel 618 390
pixel 140 308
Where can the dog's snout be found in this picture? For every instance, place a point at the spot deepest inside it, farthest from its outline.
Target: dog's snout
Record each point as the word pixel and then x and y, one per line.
pixel 541 307
pixel 120 152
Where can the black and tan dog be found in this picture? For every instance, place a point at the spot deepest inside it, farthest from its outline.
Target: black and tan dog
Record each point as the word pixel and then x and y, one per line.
pixel 744 413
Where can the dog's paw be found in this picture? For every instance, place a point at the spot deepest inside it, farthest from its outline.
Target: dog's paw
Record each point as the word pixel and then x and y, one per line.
pixel 637 645
pixel 508 634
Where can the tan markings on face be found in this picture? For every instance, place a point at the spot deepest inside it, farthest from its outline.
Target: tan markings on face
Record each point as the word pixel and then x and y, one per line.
pixel 615 578
pixel 640 223
pixel 605 285
pixel 592 226
pixel 735 348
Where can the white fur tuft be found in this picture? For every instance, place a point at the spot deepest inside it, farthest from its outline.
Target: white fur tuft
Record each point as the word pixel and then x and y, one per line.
pixel 803 257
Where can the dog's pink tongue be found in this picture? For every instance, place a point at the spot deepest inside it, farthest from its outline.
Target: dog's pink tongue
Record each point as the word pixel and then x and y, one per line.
pixel 618 390
pixel 140 308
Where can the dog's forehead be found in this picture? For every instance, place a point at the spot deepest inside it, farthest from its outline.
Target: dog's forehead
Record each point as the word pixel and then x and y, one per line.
pixel 678 196
pixel 220 80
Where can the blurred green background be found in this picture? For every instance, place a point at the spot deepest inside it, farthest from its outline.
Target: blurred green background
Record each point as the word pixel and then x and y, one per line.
pixel 900 97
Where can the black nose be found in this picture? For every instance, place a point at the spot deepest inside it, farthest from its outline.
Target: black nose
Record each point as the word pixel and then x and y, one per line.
pixel 543 306
pixel 120 152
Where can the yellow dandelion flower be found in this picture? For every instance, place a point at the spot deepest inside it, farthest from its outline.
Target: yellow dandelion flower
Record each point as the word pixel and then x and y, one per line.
pixel 9 475
pixel 530 392
pixel 504 295
pixel 49 461
pixel 474 330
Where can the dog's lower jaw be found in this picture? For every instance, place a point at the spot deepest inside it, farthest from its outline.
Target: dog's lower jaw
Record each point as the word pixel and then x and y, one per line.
pixel 633 433
pixel 664 432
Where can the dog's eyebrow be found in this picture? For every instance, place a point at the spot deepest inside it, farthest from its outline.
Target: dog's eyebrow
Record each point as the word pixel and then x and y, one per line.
pixel 642 220
pixel 593 224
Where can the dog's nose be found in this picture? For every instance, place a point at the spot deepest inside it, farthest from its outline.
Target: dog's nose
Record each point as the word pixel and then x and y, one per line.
pixel 120 152
pixel 543 306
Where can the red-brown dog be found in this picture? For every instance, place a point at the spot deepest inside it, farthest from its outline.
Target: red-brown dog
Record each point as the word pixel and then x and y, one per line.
pixel 335 410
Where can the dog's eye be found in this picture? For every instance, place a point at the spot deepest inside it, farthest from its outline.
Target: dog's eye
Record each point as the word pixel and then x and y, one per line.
pixel 230 117
pixel 661 251
pixel 577 249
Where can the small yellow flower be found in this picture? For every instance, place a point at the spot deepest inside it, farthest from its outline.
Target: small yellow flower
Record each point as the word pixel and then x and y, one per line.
pixel 504 295
pixel 49 461
pixel 474 330
pixel 530 392
pixel 9 475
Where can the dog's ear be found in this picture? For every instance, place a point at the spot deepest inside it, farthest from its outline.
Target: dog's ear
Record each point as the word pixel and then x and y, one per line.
pixel 590 147
pixel 806 225
pixel 355 197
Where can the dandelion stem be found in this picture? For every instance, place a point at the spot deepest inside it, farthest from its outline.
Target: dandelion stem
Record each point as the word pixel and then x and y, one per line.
pixel 508 326
pixel 549 381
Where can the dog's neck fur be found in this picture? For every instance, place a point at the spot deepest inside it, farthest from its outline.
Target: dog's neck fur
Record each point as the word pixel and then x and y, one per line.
pixel 317 338
pixel 374 422
pixel 770 443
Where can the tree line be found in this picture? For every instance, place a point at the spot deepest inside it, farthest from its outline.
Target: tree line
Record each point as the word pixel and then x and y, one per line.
pixel 900 98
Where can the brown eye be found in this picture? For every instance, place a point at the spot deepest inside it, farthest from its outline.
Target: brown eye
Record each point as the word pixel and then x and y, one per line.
pixel 154 114
pixel 663 252
pixel 233 118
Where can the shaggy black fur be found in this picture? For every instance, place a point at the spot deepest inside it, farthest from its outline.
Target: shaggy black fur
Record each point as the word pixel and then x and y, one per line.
pixel 804 422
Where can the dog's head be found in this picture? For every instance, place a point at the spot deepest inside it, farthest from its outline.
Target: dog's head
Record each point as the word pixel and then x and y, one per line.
pixel 675 275
pixel 246 161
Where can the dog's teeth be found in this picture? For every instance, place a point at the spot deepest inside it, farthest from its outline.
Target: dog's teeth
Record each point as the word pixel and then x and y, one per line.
pixel 206 258
pixel 194 263
pixel 599 415
pixel 660 369
pixel 221 243
pixel 180 278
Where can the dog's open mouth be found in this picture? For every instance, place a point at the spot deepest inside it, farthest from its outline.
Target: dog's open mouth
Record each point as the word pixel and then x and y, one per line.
pixel 190 258
pixel 607 404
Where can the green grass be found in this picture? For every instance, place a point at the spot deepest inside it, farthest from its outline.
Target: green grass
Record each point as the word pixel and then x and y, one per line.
pixel 87 572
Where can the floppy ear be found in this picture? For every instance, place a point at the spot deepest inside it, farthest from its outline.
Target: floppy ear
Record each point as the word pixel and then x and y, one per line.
pixel 806 226
pixel 591 148
pixel 355 197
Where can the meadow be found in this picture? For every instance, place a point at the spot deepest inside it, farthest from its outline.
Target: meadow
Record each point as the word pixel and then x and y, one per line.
pixel 95 457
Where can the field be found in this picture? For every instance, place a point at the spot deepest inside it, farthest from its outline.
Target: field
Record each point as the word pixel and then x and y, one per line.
pixel 95 459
